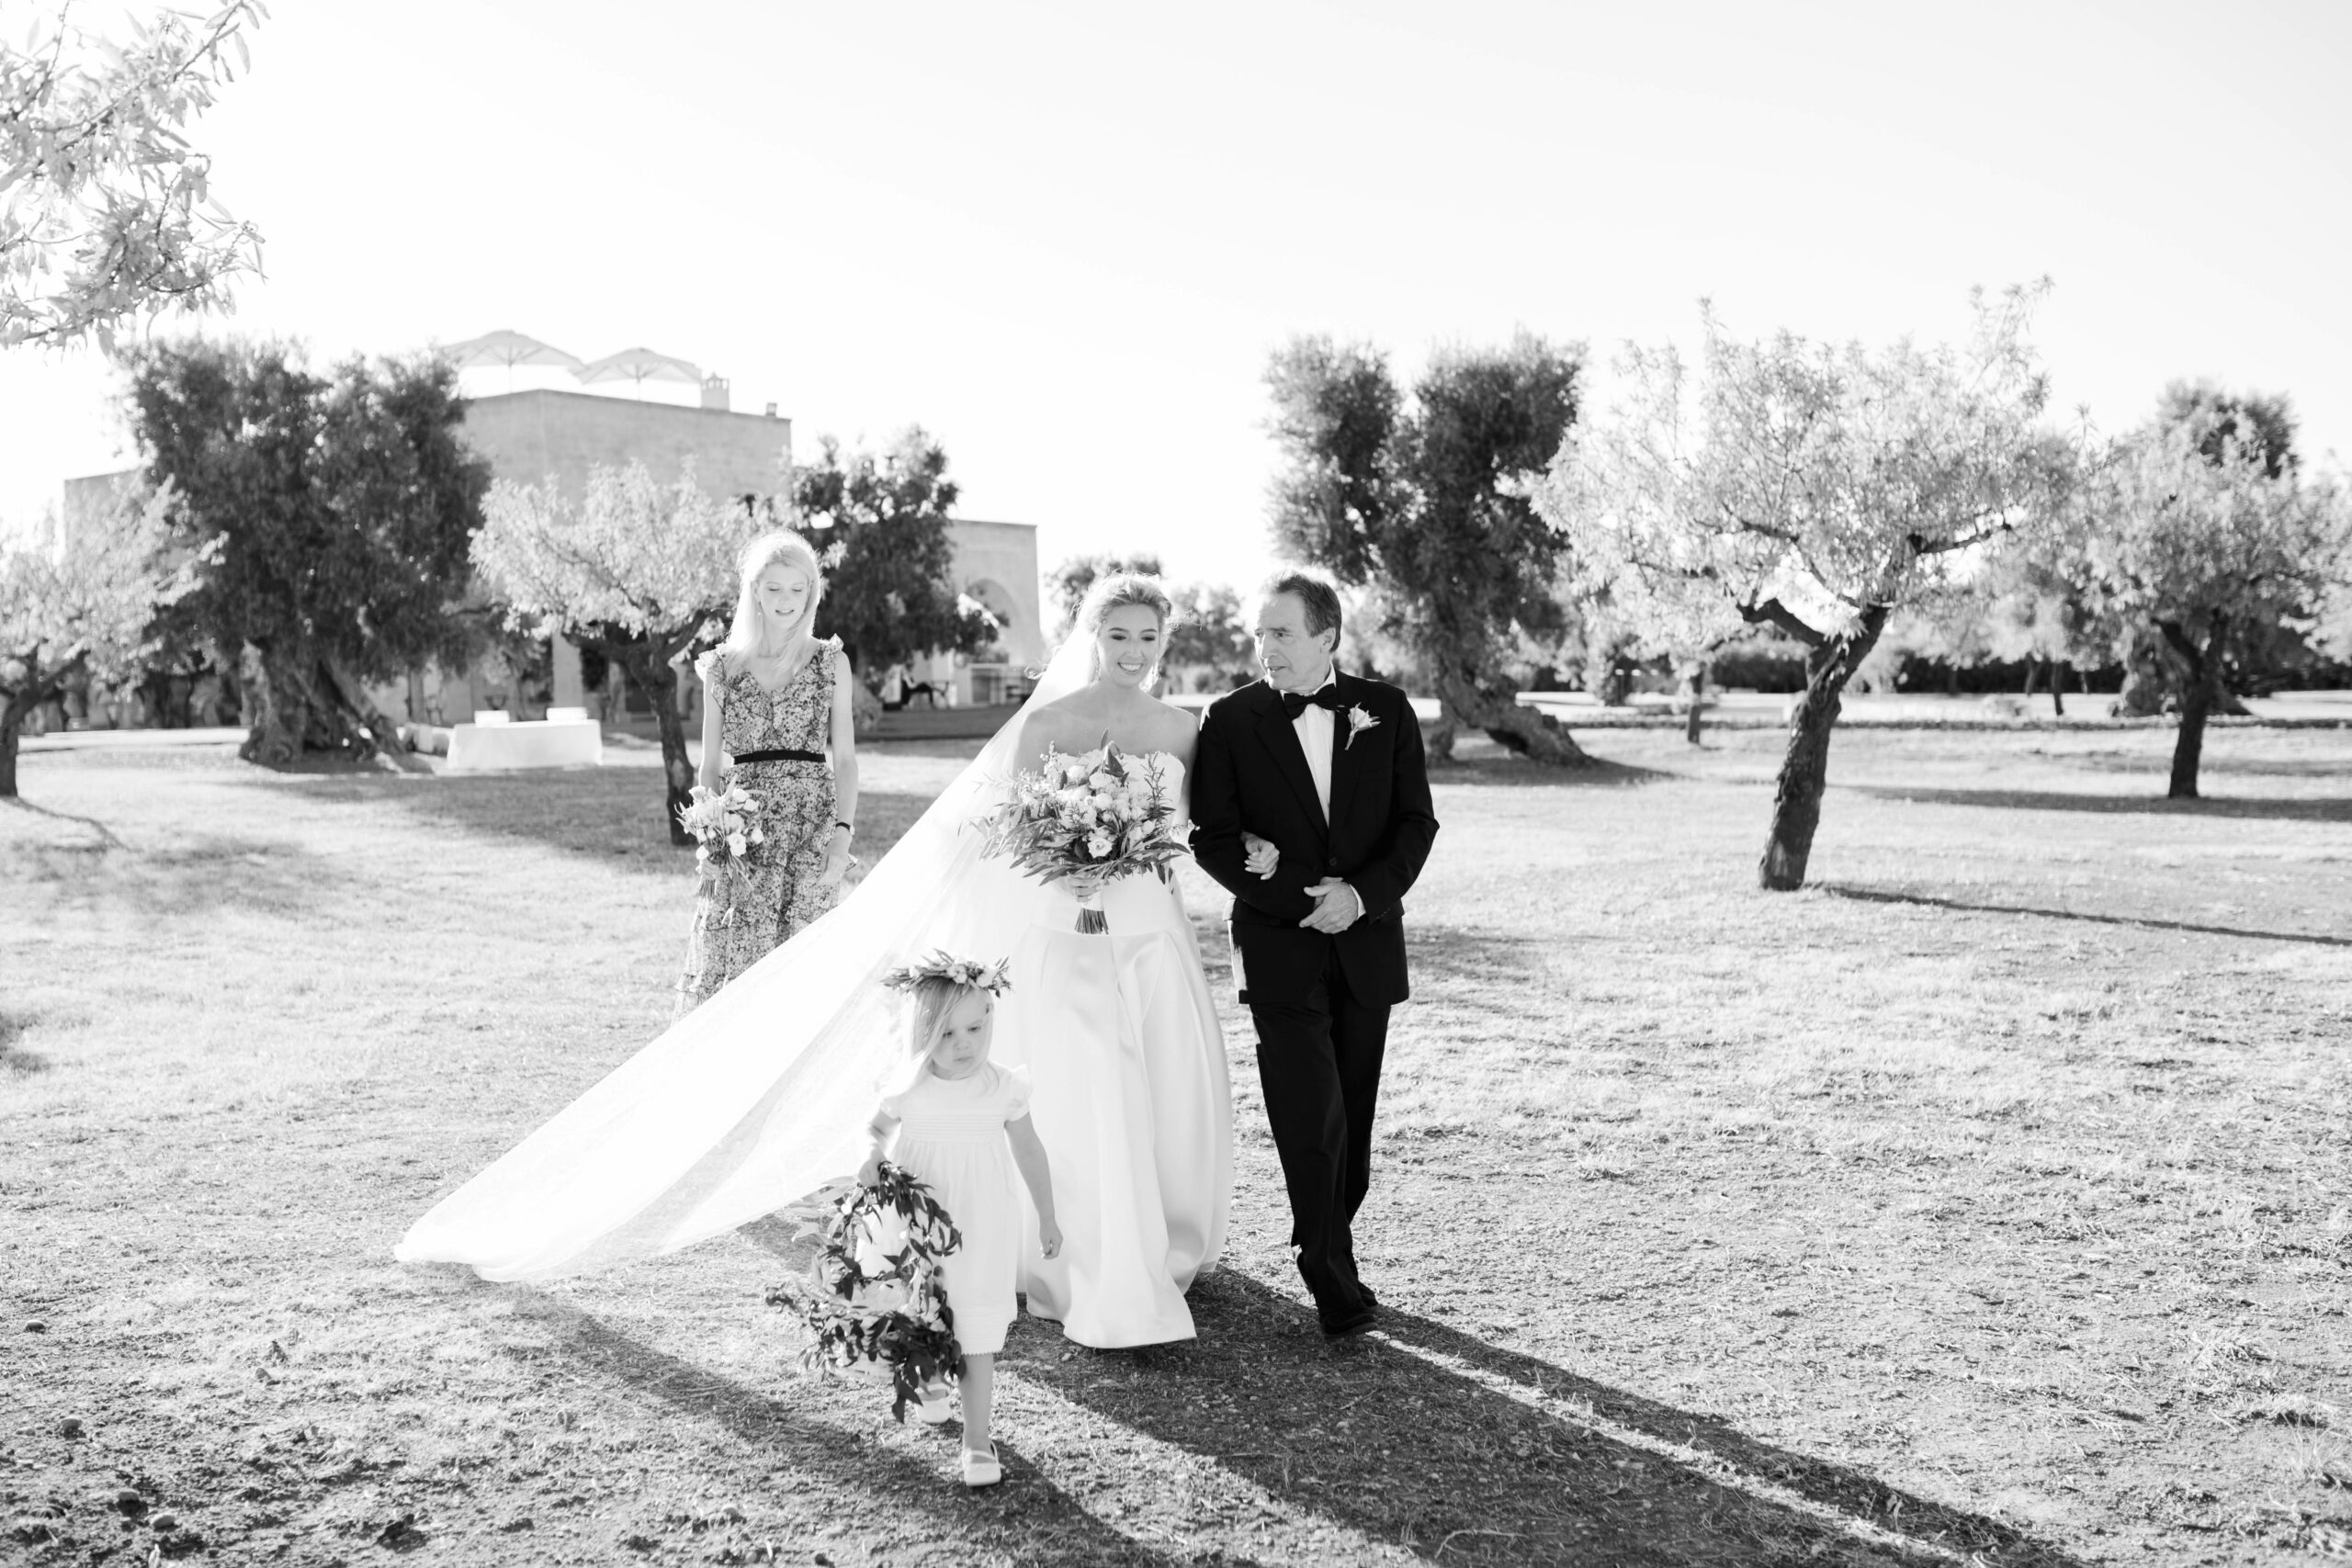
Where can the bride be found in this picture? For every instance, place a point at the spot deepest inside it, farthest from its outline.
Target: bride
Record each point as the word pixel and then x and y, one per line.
pixel 758 1096
pixel 1119 1032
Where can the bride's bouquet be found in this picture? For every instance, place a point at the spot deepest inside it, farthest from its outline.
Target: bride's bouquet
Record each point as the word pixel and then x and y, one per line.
pixel 875 1301
pixel 725 825
pixel 1097 816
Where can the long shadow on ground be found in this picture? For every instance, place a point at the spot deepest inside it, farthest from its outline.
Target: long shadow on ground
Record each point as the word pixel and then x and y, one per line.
pixel 2283 809
pixel 1519 772
pixel 1026 1516
pixel 1465 1453
pixel 93 834
pixel 1926 901
pixel 193 874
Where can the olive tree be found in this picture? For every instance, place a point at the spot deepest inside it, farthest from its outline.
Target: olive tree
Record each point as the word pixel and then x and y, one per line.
pixel 1811 488
pixel 635 570
pixel 1415 497
pixel 79 600
pixel 334 512
pixel 881 522
pixel 105 210
pixel 2196 534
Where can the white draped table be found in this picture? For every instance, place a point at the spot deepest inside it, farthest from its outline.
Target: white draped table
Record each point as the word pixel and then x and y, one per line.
pixel 567 737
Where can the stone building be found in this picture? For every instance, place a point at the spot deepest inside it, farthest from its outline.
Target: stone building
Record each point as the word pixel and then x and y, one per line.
pixel 531 436
pixel 541 434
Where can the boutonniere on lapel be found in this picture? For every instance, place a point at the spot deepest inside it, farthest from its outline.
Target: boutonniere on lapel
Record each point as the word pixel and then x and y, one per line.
pixel 1357 722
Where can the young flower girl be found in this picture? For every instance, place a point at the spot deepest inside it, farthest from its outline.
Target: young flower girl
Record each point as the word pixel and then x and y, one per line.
pixel 960 1123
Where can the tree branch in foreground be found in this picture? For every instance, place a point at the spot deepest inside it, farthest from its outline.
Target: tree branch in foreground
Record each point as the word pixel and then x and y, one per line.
pixel 1773 613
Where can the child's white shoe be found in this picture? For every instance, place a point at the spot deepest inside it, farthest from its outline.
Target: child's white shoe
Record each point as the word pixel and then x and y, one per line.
pixel 937 1406
pixel 981 1469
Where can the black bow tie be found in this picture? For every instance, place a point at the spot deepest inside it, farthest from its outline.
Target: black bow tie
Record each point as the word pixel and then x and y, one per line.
pixel 1296 702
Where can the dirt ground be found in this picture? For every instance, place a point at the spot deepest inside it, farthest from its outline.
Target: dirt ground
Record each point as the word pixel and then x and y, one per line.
pixel 1991 1200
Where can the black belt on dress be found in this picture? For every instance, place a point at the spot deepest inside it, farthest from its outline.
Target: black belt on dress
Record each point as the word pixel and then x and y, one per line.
pixel 781 755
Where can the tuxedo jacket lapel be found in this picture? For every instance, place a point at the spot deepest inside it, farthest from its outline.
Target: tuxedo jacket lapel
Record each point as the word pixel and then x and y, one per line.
pixel 1282 739
pixel 1343 755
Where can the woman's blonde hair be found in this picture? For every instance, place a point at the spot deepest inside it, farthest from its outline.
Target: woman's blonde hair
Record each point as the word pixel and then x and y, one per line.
pixel 782 548
pixel 1116 591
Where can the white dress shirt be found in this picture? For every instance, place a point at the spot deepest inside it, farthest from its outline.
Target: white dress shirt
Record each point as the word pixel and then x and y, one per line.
pixel 1314 728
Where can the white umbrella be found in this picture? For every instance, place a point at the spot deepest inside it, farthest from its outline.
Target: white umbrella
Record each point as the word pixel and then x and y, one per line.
pixel 510 349
pixel 639 365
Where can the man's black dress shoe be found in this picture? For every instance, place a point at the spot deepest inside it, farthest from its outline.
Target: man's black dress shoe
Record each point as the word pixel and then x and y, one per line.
pixel 1353 1324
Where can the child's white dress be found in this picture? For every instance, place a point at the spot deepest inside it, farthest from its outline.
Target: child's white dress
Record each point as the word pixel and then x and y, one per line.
pixel 951 1135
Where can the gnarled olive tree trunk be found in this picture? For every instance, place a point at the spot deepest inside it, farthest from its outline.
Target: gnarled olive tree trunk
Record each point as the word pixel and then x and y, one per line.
pixel 31 684
pixel 645 662
pixel 13 713
pixel 1804 768
pixel 297 699
pixel 1496 708
pixel 2200 695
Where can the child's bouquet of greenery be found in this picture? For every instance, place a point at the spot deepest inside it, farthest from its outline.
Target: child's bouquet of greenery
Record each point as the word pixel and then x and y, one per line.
pixel 725 825
pixel 875 1300
pixel 1096 817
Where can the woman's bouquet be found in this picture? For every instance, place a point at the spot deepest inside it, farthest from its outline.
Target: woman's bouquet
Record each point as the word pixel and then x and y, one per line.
pixel 875 1299
pixel 1097 816
pixel 725 825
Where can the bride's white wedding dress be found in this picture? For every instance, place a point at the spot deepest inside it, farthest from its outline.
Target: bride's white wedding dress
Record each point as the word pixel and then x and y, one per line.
pixel 760 1096
pixel 1122 1041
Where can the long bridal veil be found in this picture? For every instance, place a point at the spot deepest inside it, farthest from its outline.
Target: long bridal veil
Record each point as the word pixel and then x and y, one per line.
pixel 760 1095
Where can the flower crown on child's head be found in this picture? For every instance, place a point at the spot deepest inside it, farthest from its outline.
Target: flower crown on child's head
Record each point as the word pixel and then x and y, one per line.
pixel 994 978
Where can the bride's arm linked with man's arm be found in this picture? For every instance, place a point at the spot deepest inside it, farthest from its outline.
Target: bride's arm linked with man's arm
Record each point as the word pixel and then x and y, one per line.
pixel 1380 874
pixel 1217 827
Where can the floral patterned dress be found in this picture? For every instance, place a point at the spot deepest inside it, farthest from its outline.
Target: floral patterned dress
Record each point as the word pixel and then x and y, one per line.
pixel 738 919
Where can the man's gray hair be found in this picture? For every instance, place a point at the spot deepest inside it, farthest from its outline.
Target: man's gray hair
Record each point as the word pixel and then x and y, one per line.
pixel 1315 592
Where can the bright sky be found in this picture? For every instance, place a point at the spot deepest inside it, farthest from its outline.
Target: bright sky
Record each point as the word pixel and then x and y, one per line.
pixel 1064 238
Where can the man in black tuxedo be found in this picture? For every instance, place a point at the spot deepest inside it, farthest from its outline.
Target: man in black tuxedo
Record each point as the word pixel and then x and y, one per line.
pixel 1328 768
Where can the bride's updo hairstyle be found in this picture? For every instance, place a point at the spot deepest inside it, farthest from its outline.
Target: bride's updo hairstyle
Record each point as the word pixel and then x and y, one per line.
pixel 782 548
pixel 1115 592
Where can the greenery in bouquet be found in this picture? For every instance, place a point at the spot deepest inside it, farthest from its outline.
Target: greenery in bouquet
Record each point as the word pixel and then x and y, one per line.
pixel 1101 815
pixel 875 1299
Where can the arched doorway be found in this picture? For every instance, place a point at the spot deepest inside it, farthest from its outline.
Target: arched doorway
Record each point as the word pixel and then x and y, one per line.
pixel 995 678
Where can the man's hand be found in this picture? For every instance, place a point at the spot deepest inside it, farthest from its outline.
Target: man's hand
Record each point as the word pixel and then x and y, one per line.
pixel 1337 907
pixel 1262 856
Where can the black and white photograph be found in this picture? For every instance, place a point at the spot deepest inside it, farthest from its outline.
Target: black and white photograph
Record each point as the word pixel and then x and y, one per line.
pixel 1032 785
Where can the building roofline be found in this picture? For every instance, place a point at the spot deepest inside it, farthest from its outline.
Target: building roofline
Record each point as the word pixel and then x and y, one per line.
pixel 631 402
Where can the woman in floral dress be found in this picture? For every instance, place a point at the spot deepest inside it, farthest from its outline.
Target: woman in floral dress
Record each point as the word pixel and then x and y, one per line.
pixel 777 701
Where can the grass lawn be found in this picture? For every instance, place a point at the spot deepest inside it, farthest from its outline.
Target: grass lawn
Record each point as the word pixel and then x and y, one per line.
pixel 1990 1200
